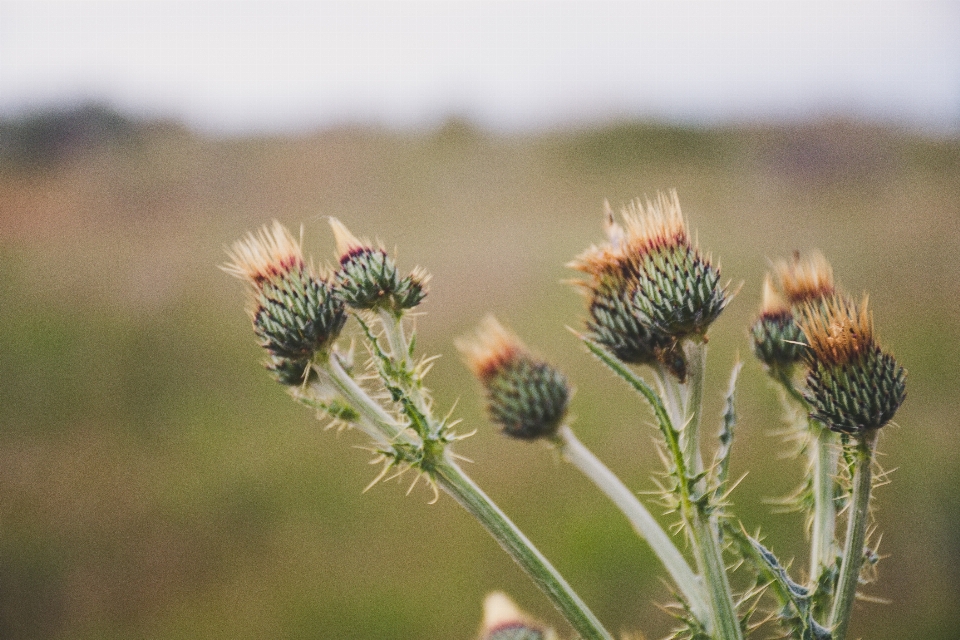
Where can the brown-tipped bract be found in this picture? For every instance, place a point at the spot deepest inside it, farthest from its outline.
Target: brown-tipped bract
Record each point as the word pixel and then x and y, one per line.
pixel 807 278
pixel 525 395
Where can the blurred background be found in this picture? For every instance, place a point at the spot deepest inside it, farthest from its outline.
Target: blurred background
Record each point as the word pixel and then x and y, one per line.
pixel 156 483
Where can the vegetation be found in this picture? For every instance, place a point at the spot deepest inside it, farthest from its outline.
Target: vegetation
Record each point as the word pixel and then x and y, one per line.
pixel 156 484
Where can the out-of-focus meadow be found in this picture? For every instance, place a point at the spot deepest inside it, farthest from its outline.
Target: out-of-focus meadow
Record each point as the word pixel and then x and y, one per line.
pixel 156 483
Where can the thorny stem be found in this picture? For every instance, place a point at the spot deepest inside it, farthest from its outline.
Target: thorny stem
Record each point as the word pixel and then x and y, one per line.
pixel 438 464
pixel 824 454
pixel 856 534
pixel 694 506
pixel 643 523
pixel 363 403
pixel 703 529
pixel 455 482
pixel 393 328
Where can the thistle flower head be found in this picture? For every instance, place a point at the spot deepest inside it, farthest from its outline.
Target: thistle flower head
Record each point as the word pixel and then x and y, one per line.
pixel 502 620
pixel 649 287
pixel 368 278
pixel 295 313
pixel 852 385
pixel 805 279
pixel 525 395
pixel 777 340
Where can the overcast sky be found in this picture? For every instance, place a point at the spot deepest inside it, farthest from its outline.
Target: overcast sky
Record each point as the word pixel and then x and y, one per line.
pixel 286 66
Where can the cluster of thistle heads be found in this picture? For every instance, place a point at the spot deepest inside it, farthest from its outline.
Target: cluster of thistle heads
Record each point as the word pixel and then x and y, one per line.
pixel 649 289
pixel 809 327
pixel 299 308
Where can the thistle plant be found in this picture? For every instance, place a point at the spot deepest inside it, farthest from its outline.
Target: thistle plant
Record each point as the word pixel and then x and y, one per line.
pixel 651 298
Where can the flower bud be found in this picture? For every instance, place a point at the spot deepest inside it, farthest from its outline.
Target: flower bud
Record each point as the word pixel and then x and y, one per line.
pixel 852 385
pixel 777 340
pixel 649 286
pixel 502 620
pixel 368 277
pixel 525 395
pixel 295 314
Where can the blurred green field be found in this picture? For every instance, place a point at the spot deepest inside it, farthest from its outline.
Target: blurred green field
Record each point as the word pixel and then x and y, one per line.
pixel 155 482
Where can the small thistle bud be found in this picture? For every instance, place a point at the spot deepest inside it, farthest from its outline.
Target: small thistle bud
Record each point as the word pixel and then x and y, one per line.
pixel 294 311
pixel 777 340
pixel 525 395
pixel 368 277
pixel 502 620
pixel 852 385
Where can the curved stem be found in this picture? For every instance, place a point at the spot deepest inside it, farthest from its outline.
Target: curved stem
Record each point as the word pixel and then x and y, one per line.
pixel 856 534
pixel 643 523
pixel 455 482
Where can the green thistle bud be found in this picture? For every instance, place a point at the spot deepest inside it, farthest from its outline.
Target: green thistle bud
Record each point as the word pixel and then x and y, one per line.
pixel 502 620
pixel 852 385
pixel 678 289
pixel 368 277
pixel 649 287
pixel 526 396
pixel 295 314
pixel 777 340
pixel 616 323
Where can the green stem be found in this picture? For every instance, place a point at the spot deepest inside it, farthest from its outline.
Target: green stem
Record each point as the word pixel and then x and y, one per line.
pixel 710 559
pixel 696 355
pixel 694 504
pixel 704 529
pixel 824 454
pixel 363 403
pixel 643 523
pixel 856 534
pixel 445 472
pixel 455 482
pixel 399 348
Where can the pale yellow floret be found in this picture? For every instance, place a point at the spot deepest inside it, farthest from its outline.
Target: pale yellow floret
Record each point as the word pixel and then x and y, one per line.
pixel 805 279
pixel 263 255
pixel 346 241
pixel 658 223
pixel 773 302
pixel 499 611
pixel 838 331
pixel 492 347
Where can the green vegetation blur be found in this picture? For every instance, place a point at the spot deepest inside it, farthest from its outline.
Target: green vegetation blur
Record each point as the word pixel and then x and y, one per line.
pixel 156 483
